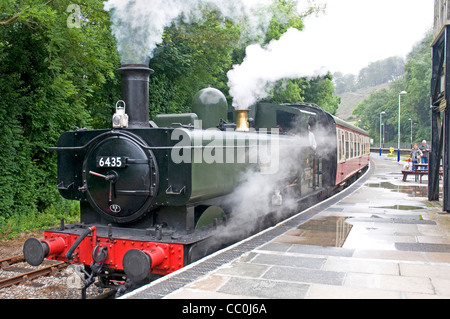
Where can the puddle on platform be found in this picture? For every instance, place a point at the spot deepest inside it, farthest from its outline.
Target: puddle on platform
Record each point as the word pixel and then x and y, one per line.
pixel 329 231
pixel 412 191
pixel 400 207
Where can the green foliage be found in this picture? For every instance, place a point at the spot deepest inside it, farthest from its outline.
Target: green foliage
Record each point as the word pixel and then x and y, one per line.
pixel 345 82
pixel 375 73
pixel 48 76
pixel 318 90
pixel 380 72
pixel 285 16
pixel 385 100
pixel 191 57
pixel 288 91
pixel 49 217
pixel 414 105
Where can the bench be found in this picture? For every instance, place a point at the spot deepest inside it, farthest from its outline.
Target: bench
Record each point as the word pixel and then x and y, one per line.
pixel 418 173
pixel 421 169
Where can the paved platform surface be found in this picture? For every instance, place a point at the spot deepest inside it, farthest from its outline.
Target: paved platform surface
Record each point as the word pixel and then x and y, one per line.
pixel 380 239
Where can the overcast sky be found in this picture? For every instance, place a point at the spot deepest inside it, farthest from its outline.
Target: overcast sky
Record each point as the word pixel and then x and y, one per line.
pixel 354 33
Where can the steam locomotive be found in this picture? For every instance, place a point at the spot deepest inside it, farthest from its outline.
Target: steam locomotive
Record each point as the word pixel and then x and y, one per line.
pixel 154 194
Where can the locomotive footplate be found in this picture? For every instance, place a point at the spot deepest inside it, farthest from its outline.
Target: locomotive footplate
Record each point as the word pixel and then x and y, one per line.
pixel 157 234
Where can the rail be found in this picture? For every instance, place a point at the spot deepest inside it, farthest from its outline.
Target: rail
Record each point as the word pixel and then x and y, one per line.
pixel 30 275
pixel 8 261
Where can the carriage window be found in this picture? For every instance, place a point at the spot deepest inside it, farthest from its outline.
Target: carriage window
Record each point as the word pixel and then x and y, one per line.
pixel 352 149
pixel 367 146
pixel 339 145
pixel 358 146
pixel 361 146
pixel 347 146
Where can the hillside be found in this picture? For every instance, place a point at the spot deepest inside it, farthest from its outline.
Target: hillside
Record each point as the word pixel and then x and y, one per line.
pixel 350 100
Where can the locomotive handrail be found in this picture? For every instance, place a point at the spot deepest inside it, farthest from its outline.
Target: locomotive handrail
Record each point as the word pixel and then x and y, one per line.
pixel 112 132
pixel 72 148
pixel 158 148
pixel 151 148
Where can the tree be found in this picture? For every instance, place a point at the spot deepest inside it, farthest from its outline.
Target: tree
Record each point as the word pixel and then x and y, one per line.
pixel 418 79
pixel 318 90
pixel 285 16
pixel 374 74
pixel 415 105
pixel 50 75
pixel 380 72
pixel 344 83
pixel 191 57
pixel 385 100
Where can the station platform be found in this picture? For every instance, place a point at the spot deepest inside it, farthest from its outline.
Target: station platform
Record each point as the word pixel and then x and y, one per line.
pixel 379 238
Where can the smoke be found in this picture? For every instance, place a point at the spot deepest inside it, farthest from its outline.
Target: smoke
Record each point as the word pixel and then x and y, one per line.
pixel 260 195
pixel 290 57
pixel 138 25
pixel 256 198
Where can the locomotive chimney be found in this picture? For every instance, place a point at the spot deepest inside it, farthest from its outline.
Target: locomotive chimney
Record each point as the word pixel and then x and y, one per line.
pixel 135 86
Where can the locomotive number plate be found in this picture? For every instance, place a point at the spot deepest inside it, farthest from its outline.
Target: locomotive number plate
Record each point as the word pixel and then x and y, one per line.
pixel 111 161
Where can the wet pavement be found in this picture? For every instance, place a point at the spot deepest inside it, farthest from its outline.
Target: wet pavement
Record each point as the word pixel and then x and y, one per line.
pixel 382 239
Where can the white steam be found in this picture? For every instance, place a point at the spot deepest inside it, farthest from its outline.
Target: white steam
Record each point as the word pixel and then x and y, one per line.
pixel 138 25
pixel 253 200
pixel 256 196
pixel 290 57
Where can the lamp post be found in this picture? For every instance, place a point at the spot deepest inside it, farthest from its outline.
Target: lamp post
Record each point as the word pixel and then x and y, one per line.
pixel 411 132
pixel 381 120
pixel 399 120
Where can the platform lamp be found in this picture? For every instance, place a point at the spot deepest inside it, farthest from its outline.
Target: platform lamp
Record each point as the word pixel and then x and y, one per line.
pixel 399 120
pixel 381 121
pixel 411 132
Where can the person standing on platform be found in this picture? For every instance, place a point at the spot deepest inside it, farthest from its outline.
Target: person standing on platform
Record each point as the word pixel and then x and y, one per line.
pixel 415 156
pixel 425 148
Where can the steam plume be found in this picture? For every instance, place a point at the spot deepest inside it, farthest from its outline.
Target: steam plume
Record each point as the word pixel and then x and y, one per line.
pixel 138 25
pixel 287 58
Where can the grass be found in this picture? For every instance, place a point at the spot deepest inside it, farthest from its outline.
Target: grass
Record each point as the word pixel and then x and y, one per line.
pixel 51 217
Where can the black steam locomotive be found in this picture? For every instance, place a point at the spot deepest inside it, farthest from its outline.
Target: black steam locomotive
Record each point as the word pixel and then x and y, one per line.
pixel 154 194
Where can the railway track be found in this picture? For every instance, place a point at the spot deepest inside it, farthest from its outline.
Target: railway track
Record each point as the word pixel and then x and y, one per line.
pixel 23 276
pixel 6 264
